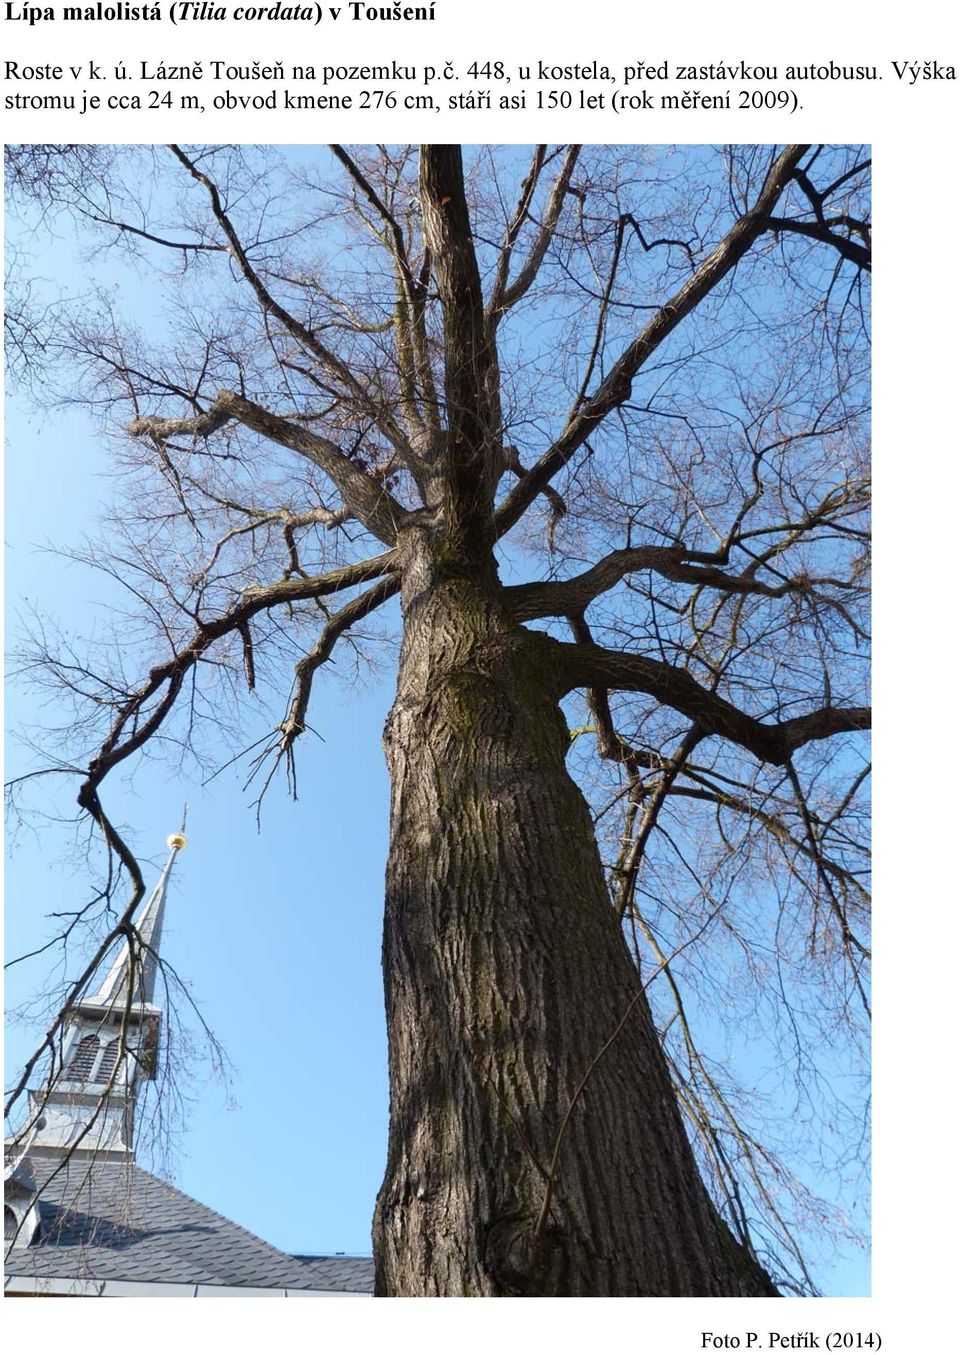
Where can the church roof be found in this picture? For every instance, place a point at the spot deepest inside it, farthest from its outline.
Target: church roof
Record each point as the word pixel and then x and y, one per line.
pixel 108 1226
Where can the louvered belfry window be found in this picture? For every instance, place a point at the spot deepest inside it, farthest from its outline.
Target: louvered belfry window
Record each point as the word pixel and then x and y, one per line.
pixel 108 1061
pixel 85 1056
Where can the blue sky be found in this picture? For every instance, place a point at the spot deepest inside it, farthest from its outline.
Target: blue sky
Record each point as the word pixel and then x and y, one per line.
pixel 276 933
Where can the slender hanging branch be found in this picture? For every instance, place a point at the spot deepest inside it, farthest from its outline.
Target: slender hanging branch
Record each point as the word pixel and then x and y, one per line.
pixel 132 726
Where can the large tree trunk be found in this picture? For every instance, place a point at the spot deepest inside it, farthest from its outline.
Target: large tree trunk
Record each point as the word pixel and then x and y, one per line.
pixel 506 975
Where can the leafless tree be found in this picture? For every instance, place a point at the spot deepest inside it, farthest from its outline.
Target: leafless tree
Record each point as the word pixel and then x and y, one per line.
pixel 628 784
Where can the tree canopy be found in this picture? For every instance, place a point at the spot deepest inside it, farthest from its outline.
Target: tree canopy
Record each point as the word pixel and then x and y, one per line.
pixel 626 389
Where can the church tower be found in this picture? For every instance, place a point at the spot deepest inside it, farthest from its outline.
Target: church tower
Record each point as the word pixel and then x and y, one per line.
pixel 82 1217
pixel 110 1046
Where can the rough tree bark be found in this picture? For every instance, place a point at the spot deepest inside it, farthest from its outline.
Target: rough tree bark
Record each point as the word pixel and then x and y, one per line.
pixel 506 976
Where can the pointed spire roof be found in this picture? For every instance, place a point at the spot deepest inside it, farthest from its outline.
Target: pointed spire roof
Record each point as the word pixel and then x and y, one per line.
pixel 110 1047
pixel 149 927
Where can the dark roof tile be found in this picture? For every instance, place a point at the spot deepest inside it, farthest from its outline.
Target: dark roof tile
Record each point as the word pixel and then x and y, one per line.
pixel 111 1220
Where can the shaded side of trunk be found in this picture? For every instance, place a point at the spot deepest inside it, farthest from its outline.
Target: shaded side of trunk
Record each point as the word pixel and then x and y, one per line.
pixel 505 975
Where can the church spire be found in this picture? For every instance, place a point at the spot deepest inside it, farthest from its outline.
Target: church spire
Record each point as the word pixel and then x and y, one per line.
pixel 148 925
pixel 110 1046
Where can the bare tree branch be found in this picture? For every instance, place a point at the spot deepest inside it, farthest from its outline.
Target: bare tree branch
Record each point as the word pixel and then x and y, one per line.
pixel 504 294
pixel 593 666
pixel 617 386
pixel 373 505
